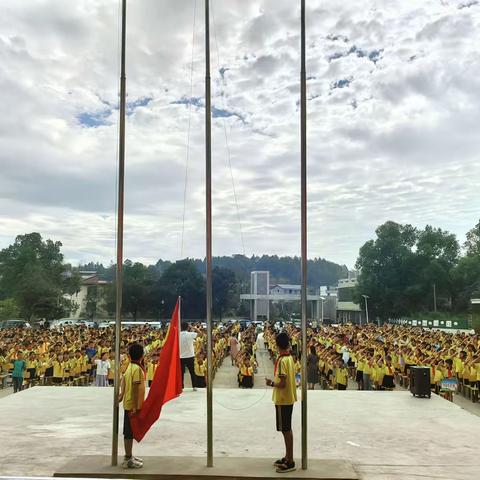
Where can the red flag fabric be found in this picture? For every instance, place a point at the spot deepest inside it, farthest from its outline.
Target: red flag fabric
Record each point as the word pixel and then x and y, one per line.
pixel 166 383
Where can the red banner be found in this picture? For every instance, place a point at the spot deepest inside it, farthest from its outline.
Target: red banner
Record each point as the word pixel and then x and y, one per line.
pixel 166 383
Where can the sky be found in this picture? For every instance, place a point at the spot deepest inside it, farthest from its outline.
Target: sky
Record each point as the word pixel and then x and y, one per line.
pixel 393 117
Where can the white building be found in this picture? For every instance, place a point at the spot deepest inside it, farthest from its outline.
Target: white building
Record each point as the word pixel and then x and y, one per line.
pixel 285 289
pixel 90 283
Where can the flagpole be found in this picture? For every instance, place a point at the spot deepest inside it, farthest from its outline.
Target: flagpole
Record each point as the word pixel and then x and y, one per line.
pixel 208 190
pixel 303 128
pixel 120 213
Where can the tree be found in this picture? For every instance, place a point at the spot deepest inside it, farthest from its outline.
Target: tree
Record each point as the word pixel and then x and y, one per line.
pixel 137 288
pixel 223 286
pixel 399 269
pixel 9 309
pixel 32 273
pixel 472 245
pixel 386 265
pixel 182 279
pixel 437 253
pixel 466 278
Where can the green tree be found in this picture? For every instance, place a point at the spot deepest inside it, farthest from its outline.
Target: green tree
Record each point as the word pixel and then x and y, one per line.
pixel 32 272
pixel 181 279
pixel 437 253
pixel 466 278
pixel 386 266
pixel 223 287
pixel 137 289
pixel 472 244
pixel 9 309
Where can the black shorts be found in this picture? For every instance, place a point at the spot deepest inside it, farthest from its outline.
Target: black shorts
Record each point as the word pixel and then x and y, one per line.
pixel 200 382
pixel 284 417
pixel 127 426
pixel 57 380
pixel 247 382
pixel 388 382
pixel 359 377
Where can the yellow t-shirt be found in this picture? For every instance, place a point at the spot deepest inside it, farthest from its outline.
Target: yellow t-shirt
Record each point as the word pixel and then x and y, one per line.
pixel 341 376
pixel 151 370
pixel 288 394
pixel 111 370
pixel 133 375
pixel 200 368
pixel 58 369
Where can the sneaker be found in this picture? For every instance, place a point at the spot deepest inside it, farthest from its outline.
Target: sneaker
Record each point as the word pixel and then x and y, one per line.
pixel 279 462
pixel 131 463
pixel 194 389
pixel 286 467
pixel 138 459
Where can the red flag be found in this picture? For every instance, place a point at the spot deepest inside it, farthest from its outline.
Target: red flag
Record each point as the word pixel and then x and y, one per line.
pixel 166 383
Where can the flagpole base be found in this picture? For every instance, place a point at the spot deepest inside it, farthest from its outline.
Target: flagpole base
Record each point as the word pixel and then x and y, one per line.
pixel 194 468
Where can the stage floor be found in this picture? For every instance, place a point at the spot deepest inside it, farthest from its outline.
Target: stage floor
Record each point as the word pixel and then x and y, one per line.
pixel 385 435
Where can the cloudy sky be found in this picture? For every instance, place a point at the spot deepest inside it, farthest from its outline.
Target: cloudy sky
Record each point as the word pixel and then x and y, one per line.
pixel 394 95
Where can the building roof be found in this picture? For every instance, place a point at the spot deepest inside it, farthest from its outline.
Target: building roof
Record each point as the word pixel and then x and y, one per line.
pixel 286 286
pixel 348 307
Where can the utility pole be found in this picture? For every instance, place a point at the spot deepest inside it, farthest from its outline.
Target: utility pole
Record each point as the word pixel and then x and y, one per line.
pixel 303 190
pixel 366 306
pixel 120 215
pixel 208 198
pixel 434 297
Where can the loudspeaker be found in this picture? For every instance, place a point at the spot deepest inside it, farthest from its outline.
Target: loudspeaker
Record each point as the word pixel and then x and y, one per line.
pixel 420 381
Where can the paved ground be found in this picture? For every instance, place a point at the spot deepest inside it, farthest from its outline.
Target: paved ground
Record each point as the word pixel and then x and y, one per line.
pixel 387 435
pixel 226 376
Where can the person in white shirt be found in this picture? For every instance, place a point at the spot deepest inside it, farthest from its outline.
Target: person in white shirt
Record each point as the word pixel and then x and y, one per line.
pixel 103 365
pixel 187 352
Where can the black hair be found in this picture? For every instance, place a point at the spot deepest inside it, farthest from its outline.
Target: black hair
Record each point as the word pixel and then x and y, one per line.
pixel 135 351
pixel 313 350
pixel 282 340
pixel 184 326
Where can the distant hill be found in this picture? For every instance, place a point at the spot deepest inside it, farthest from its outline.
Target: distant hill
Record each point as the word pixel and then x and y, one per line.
pixel 282 269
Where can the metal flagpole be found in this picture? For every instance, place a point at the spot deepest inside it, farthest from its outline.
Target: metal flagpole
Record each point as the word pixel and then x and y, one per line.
pixel 208 180
pixel 303 123
pixel 120 206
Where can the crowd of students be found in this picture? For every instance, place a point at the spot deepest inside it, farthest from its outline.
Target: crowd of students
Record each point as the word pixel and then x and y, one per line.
pixel 373 357
pixel 78 355
pixel 243 353
pixel 377 358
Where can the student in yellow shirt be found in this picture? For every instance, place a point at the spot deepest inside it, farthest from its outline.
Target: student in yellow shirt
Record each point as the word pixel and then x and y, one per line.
pixel 151 367
pixel 58 370
pixel 284 396
pixel 111 370
pixel 359 374
pixel 200 368
pixel 246 371
pixel 388 382
pixel 132 393
pixel 32 365
pixel 341 375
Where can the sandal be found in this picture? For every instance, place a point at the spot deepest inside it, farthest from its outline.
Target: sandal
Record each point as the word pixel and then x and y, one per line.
pixel 286 467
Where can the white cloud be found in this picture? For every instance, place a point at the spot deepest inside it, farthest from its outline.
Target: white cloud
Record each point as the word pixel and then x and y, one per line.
pixel 393 88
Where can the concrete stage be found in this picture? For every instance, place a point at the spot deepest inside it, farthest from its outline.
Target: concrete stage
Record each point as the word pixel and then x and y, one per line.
pixel 384 435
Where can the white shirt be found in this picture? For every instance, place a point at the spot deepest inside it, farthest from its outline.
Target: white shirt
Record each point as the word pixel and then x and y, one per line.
pixel 186 344
pixel 102 367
